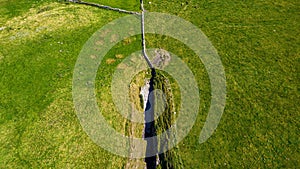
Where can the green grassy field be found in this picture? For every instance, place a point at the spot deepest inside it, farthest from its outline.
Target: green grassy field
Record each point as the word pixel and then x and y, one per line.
pixel 258 44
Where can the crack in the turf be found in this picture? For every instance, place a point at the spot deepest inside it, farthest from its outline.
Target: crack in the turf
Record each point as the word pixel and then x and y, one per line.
pixel 149 129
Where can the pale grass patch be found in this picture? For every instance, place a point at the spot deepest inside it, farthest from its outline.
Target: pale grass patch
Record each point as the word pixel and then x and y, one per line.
pixel 48 18
pixel 7 136
pixel 100 42
pixel 104 33
pixel 122 66
pixel 128 40
pixel 7 133
pixel 119 56
pixel 110 61
pixel 1 57
pixel 93 56
pixel 113 38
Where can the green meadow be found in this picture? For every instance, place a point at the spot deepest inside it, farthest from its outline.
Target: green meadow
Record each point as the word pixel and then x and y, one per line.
pixel 257 42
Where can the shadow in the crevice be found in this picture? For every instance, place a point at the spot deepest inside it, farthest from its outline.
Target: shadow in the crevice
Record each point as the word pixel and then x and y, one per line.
pixel 149 130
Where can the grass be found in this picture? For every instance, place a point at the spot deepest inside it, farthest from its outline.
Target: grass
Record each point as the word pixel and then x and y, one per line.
pixel 39 127
pixel 171 158
pixel 258 45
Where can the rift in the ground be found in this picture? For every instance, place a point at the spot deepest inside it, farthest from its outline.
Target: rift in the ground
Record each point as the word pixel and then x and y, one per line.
pixel 153 127
pixel 170 159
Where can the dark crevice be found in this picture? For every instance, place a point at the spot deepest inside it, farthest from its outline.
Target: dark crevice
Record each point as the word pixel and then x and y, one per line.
pixel 150 130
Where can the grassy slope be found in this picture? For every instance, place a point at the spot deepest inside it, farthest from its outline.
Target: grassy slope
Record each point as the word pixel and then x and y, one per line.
pixel 171 158
pixel 257 42
pixel 39 127
pixel 258 45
